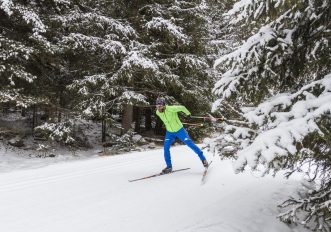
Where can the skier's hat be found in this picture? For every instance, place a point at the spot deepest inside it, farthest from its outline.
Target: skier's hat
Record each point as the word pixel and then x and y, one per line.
pixel 160 101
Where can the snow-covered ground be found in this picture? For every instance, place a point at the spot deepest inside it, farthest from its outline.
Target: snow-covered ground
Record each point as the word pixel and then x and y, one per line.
pixel 95 195
pixel 12 158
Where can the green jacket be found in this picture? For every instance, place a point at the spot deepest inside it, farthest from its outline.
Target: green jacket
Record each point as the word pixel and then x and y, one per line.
pixel 170 117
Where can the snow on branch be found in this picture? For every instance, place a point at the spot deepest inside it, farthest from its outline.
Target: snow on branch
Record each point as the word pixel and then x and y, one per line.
pixel 131 97
pixel 260 50
pixel 279 75
pixel 187 7
pixel 264 112
pixel 64 2
pixel 138 59
pixel 161 24
pixel 190 61
pixel 19 72
pixel 11 49
pixel 78 42
pixel 82 86
pixel 61 132
pixel 14 55
pixel 251 9
pixel 30 17
pixel 26 13
pixel 264 54
pixel 316 207
pixel 94 79
pixel 93 106
pixel 7 6
pixel 285 129
pixel 14 95
pixel 172 79
pixel 265 34
pixel 83 21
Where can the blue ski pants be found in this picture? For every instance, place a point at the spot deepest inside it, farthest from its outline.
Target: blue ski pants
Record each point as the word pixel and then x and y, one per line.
pixel 185 138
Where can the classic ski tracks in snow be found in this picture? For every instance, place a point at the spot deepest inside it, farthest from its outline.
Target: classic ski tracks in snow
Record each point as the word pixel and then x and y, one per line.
pixel 94 195
pixel 29 182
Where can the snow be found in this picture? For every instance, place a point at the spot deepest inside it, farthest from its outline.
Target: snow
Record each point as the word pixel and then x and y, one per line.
pixel 132 96
pixel 31 17
pixel 80 42
pixel 78 19
pixel 167 25
pixel 299 109
pixel 284 129
pixel 58 131
pixel 138 59
pixel 94 195
pixel 6 6
pixel 28 15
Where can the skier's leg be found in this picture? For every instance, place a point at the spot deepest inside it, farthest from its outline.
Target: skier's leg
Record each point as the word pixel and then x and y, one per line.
pixel 169 139
pixel 185 138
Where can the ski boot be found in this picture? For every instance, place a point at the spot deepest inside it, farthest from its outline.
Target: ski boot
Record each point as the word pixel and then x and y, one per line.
pixel 167 170
pixel 205 163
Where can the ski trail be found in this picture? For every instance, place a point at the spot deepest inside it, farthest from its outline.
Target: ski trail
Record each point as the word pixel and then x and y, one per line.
pixel 95 195
pixel 37 180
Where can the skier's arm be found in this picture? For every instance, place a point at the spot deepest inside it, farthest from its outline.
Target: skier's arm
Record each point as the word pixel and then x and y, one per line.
pixel 178 108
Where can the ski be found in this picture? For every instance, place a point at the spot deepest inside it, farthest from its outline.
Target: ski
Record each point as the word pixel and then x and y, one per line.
pixel 204 175
pixel 159 174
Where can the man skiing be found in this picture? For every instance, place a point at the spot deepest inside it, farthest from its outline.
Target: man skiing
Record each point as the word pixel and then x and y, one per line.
pixel 174 127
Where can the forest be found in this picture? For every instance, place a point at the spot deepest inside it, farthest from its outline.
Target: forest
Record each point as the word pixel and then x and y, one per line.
pixel 262 68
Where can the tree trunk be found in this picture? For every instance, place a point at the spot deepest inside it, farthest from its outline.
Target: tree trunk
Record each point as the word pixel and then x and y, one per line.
pixel 103 137
pixel 127 117
pixel 59 116
pixel 23 113
pixel 137 119
pixel 33 118
pixel 158 127
pixel 148 119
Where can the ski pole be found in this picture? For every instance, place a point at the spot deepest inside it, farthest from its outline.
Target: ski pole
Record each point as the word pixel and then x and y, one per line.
pixel 212 118
pixel 192 124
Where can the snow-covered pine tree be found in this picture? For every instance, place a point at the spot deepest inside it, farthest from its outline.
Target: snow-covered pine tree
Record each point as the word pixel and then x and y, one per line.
pixel 110 53
pixel 221 38
pixel 277 87
pixel 23 41
pixel 48 45
pixel 164 52
pixel 175 32
pixel 91 45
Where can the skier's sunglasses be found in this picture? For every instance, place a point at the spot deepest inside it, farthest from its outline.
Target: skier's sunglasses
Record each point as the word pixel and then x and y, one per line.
pixel 160 106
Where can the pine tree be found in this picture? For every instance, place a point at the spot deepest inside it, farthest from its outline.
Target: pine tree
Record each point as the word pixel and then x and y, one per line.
pixel 163 54
pixel 50 45
pixel 91 45
pixel 100 57
pixel 175 34
pixel 22 41
pixel 277 87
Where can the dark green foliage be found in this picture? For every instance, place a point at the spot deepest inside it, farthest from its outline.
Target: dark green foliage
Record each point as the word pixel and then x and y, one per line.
pixel 276 85
pixel 95 57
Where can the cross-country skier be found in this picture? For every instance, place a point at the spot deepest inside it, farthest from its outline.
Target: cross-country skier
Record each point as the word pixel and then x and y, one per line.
pixel 169 116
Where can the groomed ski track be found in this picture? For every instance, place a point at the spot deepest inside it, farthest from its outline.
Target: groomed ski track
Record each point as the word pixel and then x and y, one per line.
pixel 94 195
